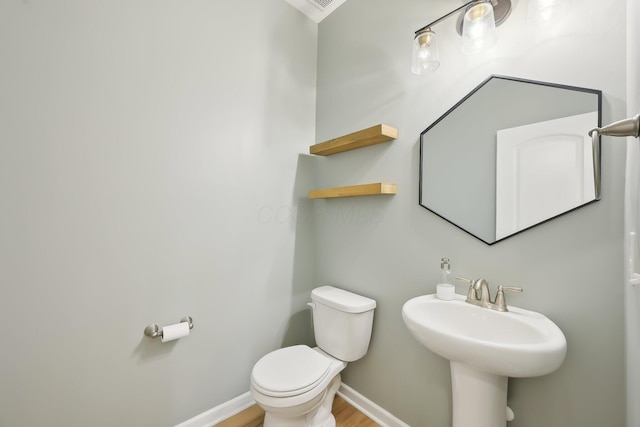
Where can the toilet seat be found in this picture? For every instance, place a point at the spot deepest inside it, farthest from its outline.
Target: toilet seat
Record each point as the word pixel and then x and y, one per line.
pixel 290 371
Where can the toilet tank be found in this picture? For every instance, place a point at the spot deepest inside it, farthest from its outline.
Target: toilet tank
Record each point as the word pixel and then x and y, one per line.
pixel 342 322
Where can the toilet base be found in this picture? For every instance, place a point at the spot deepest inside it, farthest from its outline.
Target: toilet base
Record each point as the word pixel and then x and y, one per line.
pixel 319 416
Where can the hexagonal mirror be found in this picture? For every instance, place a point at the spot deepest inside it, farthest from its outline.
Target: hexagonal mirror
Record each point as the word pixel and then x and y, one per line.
pixel 510 155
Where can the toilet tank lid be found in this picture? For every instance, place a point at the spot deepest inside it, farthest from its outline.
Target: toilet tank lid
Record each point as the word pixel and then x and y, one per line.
pixel 342 300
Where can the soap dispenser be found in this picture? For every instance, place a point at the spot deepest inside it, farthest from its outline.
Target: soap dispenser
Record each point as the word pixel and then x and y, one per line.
pixel 445 290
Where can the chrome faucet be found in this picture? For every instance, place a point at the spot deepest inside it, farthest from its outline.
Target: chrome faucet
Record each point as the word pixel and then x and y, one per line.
pixel 484 300
pixel 482 286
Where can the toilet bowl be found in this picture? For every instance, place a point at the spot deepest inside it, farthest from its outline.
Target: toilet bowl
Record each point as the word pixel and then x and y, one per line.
pixel 296 385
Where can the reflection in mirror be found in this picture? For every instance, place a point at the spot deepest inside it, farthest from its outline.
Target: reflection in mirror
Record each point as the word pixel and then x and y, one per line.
pixel 512 154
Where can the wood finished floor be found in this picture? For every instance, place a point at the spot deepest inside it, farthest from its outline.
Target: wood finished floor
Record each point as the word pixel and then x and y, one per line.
pixel 346 416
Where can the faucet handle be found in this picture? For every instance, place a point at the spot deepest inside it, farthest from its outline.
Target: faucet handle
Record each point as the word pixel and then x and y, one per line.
pixel 471 294
pixel 501 302
pixel 510 288
pixel 464 280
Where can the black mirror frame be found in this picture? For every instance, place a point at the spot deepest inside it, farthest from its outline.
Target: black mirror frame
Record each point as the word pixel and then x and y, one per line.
pixel 466 97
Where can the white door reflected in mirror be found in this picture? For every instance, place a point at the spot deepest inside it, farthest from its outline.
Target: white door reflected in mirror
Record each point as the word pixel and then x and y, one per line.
pixel 542 170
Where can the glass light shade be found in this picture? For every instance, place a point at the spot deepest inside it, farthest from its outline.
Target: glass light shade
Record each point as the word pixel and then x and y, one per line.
pixel 546 12
pixel 425 53
pixel 478 28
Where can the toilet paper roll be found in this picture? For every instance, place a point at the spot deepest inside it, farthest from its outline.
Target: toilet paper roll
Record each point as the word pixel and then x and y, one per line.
pixel 173 332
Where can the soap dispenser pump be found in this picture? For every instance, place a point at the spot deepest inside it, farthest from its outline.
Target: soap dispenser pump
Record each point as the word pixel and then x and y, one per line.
pixel 445 290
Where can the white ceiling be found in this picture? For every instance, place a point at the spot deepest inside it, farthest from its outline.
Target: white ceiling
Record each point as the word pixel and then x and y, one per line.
pixel 317 10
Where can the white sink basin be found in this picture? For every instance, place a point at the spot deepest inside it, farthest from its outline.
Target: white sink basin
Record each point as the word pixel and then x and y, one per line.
pixel 518 343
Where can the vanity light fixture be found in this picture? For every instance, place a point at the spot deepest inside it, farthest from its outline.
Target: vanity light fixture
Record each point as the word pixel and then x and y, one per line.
pixel 547 12
pixel 477 27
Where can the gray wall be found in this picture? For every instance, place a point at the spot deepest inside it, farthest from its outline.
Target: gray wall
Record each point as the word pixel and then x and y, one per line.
pixel 149 169
pixel 389 248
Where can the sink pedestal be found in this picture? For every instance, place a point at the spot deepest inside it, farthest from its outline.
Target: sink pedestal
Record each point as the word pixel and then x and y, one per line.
pixel 479 398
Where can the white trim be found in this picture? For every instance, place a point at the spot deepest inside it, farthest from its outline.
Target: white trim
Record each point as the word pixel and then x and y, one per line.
pixel 369 408
pixel 221 412
pixel 238 404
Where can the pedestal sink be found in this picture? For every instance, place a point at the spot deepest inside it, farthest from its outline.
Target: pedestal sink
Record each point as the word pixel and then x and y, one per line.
pixel 484 347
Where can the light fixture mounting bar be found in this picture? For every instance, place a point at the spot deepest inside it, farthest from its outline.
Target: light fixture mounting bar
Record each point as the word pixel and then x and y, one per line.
pixel 442 18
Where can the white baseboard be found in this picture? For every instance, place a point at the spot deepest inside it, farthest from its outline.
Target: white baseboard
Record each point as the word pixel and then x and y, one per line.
pixel 238 404
pixel 369 408
pixel 221 412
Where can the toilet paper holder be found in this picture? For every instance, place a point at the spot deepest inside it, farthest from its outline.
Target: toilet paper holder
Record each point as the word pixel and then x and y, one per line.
pixel 154 331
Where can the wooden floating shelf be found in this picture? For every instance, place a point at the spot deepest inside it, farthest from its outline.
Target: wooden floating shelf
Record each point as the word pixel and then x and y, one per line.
pixel 363 138
pixel 375 189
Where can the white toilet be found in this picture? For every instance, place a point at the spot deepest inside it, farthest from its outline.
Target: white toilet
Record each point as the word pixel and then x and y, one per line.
pixel 296 385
